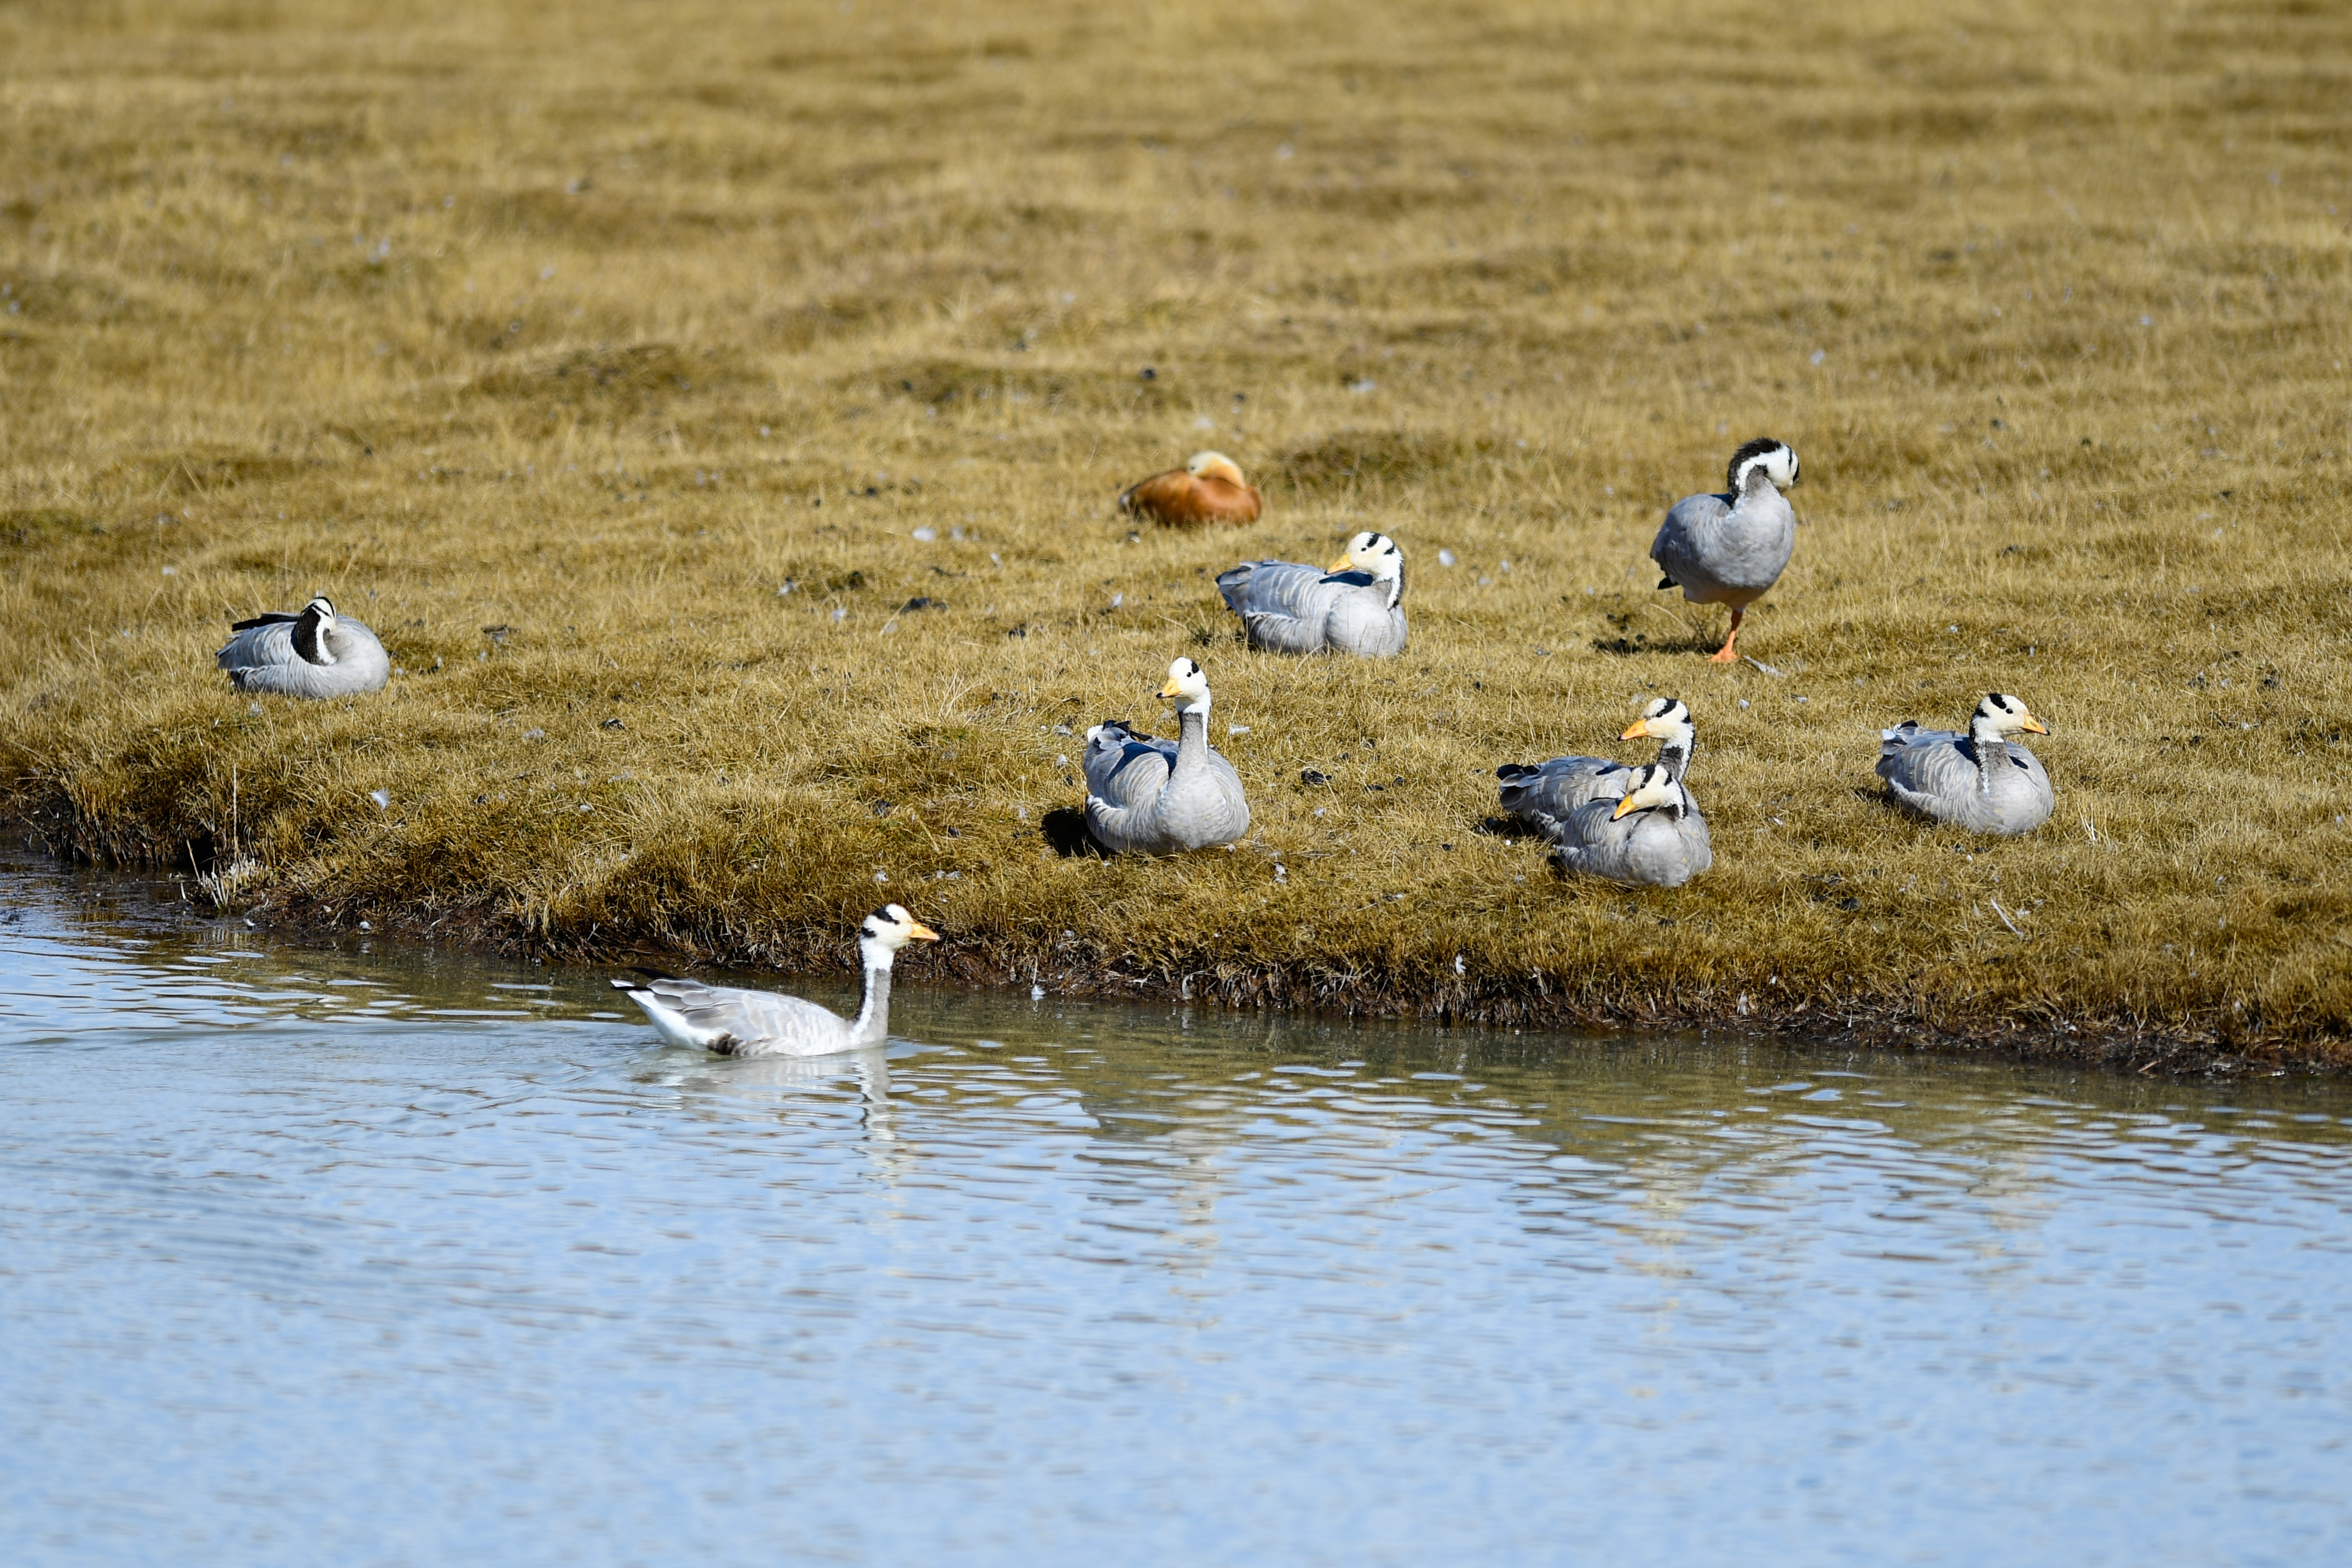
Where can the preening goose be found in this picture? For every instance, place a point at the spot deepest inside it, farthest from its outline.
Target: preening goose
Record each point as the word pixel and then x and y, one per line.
pixel 1578 802
pixel 735 1022
pixel 315 653
pixel 1147 797
pixel 1208 489
pixel 1728 548
pixel 1356 605
pixel 1979 779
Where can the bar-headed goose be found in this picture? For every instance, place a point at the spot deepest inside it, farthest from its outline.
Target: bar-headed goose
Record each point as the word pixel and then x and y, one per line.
pixel 315 653
pixel 1147 797
pixel 1208 489
pixel 1980 780
pixel 1728 548
pixel 1356 605
pixel 1575 801
pixel 736 1022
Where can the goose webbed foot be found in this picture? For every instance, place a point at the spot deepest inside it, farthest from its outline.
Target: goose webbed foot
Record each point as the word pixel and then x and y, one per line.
pixel 1725 655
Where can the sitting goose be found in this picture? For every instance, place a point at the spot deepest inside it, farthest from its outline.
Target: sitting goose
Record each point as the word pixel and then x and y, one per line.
pixel 1728 548
pixel 1652 835
pixel 1355 606
pixel 1147 797
pixel 1979 779
pixel 735 1022
pixel 1208 489
pixel 1578 802
pixel 317 653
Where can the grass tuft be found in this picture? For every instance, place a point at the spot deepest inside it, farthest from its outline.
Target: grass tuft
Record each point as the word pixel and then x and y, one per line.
pixel 635 370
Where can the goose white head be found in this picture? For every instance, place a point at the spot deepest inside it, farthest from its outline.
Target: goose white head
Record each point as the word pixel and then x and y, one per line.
pixel 2002 715
pixel 1662 718
pixel 1652 786
pixel 1215 465
pixel 1375 553
pixel 885 931
pixel 312 629
pixel 1187 687
pixel 1773 460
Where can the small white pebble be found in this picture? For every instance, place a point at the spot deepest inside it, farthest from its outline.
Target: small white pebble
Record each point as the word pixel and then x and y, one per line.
pixel 1446 557
pixel 382 798
pixel 1244 729
pixel 1036 993
pixel 1061 759
pixel 881 876
pixel 1743 702
pixel 839 614
pixel 364 926
pixel 926 534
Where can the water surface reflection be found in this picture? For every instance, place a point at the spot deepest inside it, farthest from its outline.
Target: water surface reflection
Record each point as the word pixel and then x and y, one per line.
pixel 333 1254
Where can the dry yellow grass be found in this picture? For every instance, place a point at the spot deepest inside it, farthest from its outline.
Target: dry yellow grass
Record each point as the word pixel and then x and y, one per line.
pixel 605 324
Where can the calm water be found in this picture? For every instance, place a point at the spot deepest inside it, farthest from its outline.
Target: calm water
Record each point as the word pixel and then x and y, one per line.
pixel 317 1256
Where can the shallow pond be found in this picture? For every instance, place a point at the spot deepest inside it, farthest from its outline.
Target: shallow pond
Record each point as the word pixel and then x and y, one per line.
pixel 327 1255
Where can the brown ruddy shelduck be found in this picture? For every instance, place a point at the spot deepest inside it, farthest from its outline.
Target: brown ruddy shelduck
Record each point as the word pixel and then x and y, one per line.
pixel 1208 489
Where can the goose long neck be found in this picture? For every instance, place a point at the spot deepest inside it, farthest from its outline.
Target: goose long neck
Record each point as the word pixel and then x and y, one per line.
pixel 310 639
pixel 872 1020
pixel 1993 752
pixel 1674 754
pixel 1191 743
pixel 1396 587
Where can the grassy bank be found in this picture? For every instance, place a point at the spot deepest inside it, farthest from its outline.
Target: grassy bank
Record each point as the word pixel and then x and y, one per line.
pixel 629 374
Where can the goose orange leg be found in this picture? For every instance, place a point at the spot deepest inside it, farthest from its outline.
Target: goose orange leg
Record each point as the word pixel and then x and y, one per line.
pixel 1724 655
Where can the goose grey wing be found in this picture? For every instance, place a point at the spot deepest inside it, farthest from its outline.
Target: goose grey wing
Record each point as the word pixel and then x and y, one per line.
pixel 1546 795
pixel 258 643
pixel 738 1022
pixel 1687 537
pixel 1282 604
pixel 1124 767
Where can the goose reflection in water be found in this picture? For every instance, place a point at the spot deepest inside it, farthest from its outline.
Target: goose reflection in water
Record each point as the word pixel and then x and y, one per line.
pixel 784 1082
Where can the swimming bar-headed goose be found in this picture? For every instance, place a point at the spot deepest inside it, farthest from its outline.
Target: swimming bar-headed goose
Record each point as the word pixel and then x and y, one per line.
pixel 1354 606
pixel 1728 548
pixel 1575 801
pixel 1980 780
pixel 1147 797
pixel 1208 489
pixel 315 653
pixel 736 1022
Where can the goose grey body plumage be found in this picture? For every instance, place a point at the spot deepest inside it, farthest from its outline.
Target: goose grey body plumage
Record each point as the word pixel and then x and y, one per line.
pixel 735 1022
pixel 315 653
pixel 1574 801
pixel 1730 549
pixel 1354 606
pixel 1980 780
pixel 1146 796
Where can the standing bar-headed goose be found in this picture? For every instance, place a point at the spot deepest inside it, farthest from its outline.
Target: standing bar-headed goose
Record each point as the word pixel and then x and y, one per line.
pixel 737 1022
pixel 1728 548
pixel 1981 780
pixel 1147 797
pixel 315 653
pixel 1356 605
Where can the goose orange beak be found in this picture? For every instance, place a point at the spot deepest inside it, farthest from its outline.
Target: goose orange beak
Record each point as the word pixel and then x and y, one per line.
pixel 1342 564
pixel 1635 731
pixel 1622 806
pixel 2035 724
pixel 1168 692
pixel 923 934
